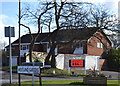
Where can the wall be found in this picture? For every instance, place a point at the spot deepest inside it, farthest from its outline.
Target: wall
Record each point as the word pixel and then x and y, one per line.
pixel 91 62
pixel 15 50
pixel 14 61
pixel 60 61
pixel 102 64
pixel 92 48
pixel 72 56
pixel 78 51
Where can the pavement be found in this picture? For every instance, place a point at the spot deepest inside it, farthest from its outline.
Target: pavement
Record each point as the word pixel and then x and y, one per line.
pixel 5 77
pixel 112 75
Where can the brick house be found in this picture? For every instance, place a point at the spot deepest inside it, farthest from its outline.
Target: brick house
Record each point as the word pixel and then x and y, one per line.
pixel 89 41
pixel 84 41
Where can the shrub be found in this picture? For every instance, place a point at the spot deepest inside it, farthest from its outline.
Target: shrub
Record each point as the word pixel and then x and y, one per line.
pixel 94 73
pixel 57 71
pixel 113 58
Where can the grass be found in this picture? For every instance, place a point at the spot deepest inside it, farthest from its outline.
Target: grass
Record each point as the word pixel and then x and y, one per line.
pixel 63 83
pixel 7 68
pixel 14 66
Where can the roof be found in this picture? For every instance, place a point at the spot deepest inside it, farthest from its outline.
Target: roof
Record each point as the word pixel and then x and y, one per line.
pixel 43 37
pixel 63 35
pixel 106 36
pixel 78 34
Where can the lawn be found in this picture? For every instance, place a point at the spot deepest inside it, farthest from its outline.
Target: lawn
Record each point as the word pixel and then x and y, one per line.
pixel 63 83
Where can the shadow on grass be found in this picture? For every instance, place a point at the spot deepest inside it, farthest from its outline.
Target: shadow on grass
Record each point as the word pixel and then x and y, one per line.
pixel 71 84
pixel 76 83
pixel 82 84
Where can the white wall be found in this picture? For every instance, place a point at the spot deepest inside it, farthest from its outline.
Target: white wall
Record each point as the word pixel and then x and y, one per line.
pixel 60 61
pixel 78 51
pixel 48 50
pixel 22 52
pixel 14 61
pixel 91 62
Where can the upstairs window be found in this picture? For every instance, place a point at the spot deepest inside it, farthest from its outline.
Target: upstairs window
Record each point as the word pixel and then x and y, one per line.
pixel 24 47
pixel 99 45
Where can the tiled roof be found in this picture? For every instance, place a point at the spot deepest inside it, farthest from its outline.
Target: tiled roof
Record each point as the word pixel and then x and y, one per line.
pixel 78 34
pixel 43 37
pixel 63 35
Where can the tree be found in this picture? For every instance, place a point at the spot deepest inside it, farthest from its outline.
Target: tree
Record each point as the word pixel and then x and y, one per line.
pixel 63 15
pixel 58 9
pixel 37 16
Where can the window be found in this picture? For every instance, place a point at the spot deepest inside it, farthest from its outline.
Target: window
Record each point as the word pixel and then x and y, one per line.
pixel 24 47
pixel 99 45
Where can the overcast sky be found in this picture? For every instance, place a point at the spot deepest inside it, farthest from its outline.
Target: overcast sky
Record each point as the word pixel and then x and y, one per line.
pixel 9 11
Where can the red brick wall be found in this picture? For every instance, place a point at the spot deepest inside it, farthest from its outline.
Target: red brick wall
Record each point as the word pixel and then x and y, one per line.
pixel 102 64
pixel 15 50
pixel 38 47
pixel 92 48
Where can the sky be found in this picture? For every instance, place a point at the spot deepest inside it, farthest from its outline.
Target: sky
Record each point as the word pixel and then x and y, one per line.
pixel 9 14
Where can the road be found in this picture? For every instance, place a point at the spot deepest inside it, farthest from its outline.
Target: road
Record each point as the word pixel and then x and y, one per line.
pixel 5 77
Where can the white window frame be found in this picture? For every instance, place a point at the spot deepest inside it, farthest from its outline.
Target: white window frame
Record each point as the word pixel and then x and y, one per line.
pixel 24 47
pixel 99 45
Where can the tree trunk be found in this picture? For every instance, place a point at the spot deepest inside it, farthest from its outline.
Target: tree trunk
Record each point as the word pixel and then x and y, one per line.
pixel 30 52
pixel 53 61
pixel 31 48
pixel 51 53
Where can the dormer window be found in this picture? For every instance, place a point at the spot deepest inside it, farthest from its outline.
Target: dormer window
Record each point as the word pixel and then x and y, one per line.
pixel 99 45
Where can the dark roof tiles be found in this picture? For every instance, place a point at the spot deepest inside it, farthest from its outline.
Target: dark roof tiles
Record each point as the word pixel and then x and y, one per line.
pixel 63 35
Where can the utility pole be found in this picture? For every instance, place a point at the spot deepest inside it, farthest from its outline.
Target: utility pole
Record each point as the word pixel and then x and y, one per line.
pixel 19 58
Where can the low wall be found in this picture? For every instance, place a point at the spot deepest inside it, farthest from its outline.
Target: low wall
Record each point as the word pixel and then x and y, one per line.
pixel 62 61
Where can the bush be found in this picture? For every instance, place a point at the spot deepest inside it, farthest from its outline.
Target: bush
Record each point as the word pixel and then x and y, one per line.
pixel 101 75
pixel 55 71
pixel 113 57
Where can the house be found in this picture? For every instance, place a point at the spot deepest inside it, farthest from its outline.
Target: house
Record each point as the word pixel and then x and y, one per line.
pixel 83 42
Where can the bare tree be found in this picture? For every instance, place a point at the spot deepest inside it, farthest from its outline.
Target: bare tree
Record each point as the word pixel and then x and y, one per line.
pixel 36 17
pixel 57 9
pixel 64 16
